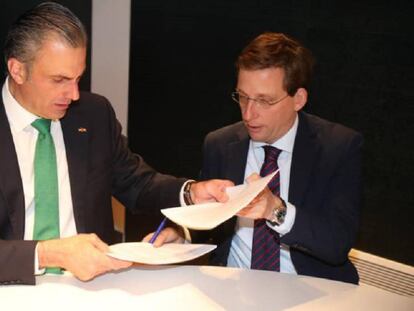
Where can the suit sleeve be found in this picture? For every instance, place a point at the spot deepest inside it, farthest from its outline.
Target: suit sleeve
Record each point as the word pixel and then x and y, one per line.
pixel 327 218
pixel 17 262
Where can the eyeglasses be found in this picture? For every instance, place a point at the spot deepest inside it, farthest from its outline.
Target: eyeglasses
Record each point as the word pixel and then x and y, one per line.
pixel 243 100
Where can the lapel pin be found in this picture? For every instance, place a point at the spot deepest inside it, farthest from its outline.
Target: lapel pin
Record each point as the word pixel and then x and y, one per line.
pixel 82 130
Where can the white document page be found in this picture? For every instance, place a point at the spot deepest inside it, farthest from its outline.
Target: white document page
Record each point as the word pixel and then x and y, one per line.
pixel 169 253
pixel 209 215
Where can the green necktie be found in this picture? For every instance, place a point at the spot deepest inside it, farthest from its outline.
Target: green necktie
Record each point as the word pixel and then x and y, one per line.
pixel 46 223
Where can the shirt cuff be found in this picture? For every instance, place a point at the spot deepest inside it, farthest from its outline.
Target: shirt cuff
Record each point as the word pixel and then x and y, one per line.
pixel 289 220
pixel 37 271
pixel 187 235
pixel 182 202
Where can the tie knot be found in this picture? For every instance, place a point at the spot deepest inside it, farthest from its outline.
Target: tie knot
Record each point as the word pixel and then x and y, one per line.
pixel 42 125
pixel 271 153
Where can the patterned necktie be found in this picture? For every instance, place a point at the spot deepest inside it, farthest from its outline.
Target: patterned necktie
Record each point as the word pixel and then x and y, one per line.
pixel 46 223
pixel 266 242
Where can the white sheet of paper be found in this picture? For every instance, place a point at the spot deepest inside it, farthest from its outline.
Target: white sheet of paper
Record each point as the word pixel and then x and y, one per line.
pixel 209 215
pixel 169 253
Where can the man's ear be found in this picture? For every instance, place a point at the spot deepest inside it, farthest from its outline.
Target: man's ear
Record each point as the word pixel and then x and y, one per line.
pixel 17 70
pixel 300 98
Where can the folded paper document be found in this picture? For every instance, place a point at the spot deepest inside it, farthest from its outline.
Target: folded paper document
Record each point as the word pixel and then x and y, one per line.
pixel 146 253
pixel 209 215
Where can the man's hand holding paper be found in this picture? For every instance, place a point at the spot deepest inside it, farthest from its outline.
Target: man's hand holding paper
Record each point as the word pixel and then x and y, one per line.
pixel 247 200
pixel 261 207
pixel 209 215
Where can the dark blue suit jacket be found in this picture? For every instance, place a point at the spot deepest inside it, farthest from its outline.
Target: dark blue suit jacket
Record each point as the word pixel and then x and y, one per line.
pixel 100 165
pixel 325 185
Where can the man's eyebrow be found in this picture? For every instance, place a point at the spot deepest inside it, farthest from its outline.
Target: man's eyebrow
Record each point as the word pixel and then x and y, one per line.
pixel 60 76
pixel 257 96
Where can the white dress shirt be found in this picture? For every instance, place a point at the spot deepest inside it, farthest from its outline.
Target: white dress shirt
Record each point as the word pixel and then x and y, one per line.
pixel 241 246
pixel 24 138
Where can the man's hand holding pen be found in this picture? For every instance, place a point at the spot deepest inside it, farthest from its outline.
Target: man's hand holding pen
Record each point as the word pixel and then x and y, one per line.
pixel 194 193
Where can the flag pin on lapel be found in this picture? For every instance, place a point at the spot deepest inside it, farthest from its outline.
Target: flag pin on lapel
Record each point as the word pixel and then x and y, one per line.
pixel 82 130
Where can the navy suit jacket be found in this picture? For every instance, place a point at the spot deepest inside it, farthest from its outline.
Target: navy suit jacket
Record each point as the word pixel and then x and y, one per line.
pixel 325 185
pixel 100 165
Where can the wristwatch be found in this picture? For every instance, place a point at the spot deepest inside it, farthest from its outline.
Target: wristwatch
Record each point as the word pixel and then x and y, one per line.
pixel 187 192
pixel 278 214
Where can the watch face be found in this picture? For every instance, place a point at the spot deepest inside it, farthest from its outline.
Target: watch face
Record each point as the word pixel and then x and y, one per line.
pixel 281 218
pixel 279 215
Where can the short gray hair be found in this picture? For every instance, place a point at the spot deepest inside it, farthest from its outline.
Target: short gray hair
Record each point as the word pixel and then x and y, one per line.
pixel 30 30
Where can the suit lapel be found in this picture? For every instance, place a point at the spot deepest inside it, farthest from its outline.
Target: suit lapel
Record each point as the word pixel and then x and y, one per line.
pixel 11 185
pixel 76 137
pixel 305 152
pixel 237 156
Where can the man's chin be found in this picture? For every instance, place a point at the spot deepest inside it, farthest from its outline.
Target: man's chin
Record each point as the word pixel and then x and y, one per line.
pixel 255 137
pixel 58 115
pixel 261 139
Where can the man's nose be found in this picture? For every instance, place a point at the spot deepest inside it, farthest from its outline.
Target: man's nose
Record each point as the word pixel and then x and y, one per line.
pixel 74 91
pixel 249 111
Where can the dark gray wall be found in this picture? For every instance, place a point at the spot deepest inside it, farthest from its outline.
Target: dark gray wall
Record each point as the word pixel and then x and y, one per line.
pixel 182 55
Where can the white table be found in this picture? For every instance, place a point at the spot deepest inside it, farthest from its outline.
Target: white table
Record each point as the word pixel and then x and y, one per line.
pixel 197 288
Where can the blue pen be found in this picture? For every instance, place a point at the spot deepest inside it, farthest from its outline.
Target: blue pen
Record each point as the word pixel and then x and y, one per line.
pixel 157 233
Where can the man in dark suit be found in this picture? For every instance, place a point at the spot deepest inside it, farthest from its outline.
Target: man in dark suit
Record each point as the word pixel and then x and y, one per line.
pixel 314 213
pixel 45 52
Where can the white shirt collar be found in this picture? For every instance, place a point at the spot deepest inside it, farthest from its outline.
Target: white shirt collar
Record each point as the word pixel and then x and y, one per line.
pixel 286 142
pixel 19 118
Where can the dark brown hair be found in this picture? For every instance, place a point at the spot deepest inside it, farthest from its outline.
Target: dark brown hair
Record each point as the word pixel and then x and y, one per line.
pixel 276 50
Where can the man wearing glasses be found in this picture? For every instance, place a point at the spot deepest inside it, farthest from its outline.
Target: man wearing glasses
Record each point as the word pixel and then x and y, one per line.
pixel 307 219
